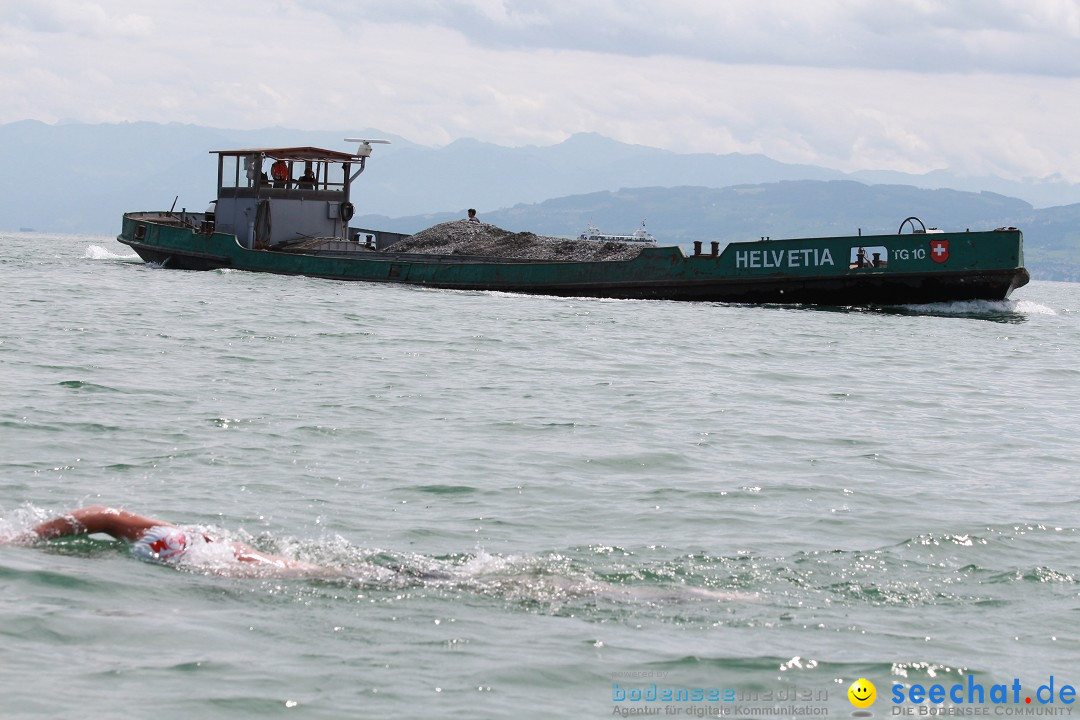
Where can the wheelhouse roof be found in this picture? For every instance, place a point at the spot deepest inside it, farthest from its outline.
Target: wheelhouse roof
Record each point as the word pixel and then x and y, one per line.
pixel 305 154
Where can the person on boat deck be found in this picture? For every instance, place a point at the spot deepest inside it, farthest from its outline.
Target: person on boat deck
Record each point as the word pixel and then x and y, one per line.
pixel 472 216
pixel 280 172
pixel 307 180
pixel 151 539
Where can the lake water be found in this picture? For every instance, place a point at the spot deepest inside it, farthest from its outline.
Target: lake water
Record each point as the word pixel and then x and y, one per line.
pixel 534 503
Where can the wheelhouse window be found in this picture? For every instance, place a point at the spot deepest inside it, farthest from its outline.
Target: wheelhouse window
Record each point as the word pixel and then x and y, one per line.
pixel 239 171
pixel 336 174
pixel 301 173
pixel 304 175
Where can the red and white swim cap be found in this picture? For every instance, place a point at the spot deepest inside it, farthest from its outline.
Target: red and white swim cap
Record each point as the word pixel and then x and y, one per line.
pixel 162 543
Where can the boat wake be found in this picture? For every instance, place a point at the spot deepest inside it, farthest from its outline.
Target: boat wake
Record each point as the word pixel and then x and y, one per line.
pixel 1007 311
pixel 97 252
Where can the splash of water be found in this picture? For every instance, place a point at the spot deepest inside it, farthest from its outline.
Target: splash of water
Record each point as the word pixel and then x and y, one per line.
pixel 97 252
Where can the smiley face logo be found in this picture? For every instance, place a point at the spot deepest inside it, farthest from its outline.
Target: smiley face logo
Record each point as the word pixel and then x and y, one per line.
pixel 862 693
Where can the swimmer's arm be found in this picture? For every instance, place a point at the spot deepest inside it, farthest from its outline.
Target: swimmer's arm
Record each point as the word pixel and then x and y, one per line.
pixel 121 524
pixel 248 554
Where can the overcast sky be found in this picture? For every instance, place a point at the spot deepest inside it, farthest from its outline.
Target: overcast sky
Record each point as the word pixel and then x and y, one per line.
pixel 974 86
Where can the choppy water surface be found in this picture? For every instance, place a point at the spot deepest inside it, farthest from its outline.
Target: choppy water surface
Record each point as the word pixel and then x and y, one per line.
pixel 526 500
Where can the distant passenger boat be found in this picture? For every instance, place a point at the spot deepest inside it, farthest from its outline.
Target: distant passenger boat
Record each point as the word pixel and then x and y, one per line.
pixel 641 236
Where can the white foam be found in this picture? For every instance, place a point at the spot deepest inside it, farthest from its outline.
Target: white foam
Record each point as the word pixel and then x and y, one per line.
pixel 97 252
pixel 205 556
pixel 484 563
pixel 15 525
pixel 1033 308
pixel 983 307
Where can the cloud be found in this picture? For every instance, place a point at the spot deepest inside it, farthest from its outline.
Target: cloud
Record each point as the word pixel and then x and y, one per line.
pixel 57 17
pixel 1013 36
pixel 986 87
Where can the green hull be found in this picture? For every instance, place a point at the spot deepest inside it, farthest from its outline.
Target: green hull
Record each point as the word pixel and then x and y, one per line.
pixel 858 270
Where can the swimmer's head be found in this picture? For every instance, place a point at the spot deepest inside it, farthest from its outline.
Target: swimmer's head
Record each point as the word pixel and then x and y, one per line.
pixel 161 543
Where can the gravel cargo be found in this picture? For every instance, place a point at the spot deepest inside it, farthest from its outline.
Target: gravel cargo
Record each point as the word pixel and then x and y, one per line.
pixel 462 237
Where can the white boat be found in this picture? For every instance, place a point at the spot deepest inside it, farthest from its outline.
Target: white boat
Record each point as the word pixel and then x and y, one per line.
pixel 640 236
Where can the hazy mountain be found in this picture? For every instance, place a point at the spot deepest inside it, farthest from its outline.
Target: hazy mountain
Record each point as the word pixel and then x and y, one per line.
pixel 81 178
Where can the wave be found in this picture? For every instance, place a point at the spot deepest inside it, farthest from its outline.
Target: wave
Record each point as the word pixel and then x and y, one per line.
pixel 86 386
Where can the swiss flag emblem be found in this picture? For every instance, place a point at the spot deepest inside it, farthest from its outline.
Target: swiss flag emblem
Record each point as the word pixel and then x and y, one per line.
pixel 939 250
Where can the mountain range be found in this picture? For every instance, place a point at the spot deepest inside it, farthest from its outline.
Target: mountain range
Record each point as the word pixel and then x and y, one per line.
pixel 81 178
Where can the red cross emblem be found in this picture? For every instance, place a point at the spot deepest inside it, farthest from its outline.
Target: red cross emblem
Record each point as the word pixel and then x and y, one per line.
pixel 939 250
pixel 162 545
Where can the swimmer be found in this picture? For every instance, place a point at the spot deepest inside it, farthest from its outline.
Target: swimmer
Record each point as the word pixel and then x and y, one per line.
pixel 190 549
pixel 160 541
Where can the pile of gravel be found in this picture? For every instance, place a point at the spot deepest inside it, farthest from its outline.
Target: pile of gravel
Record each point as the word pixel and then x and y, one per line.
pixel 461 237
